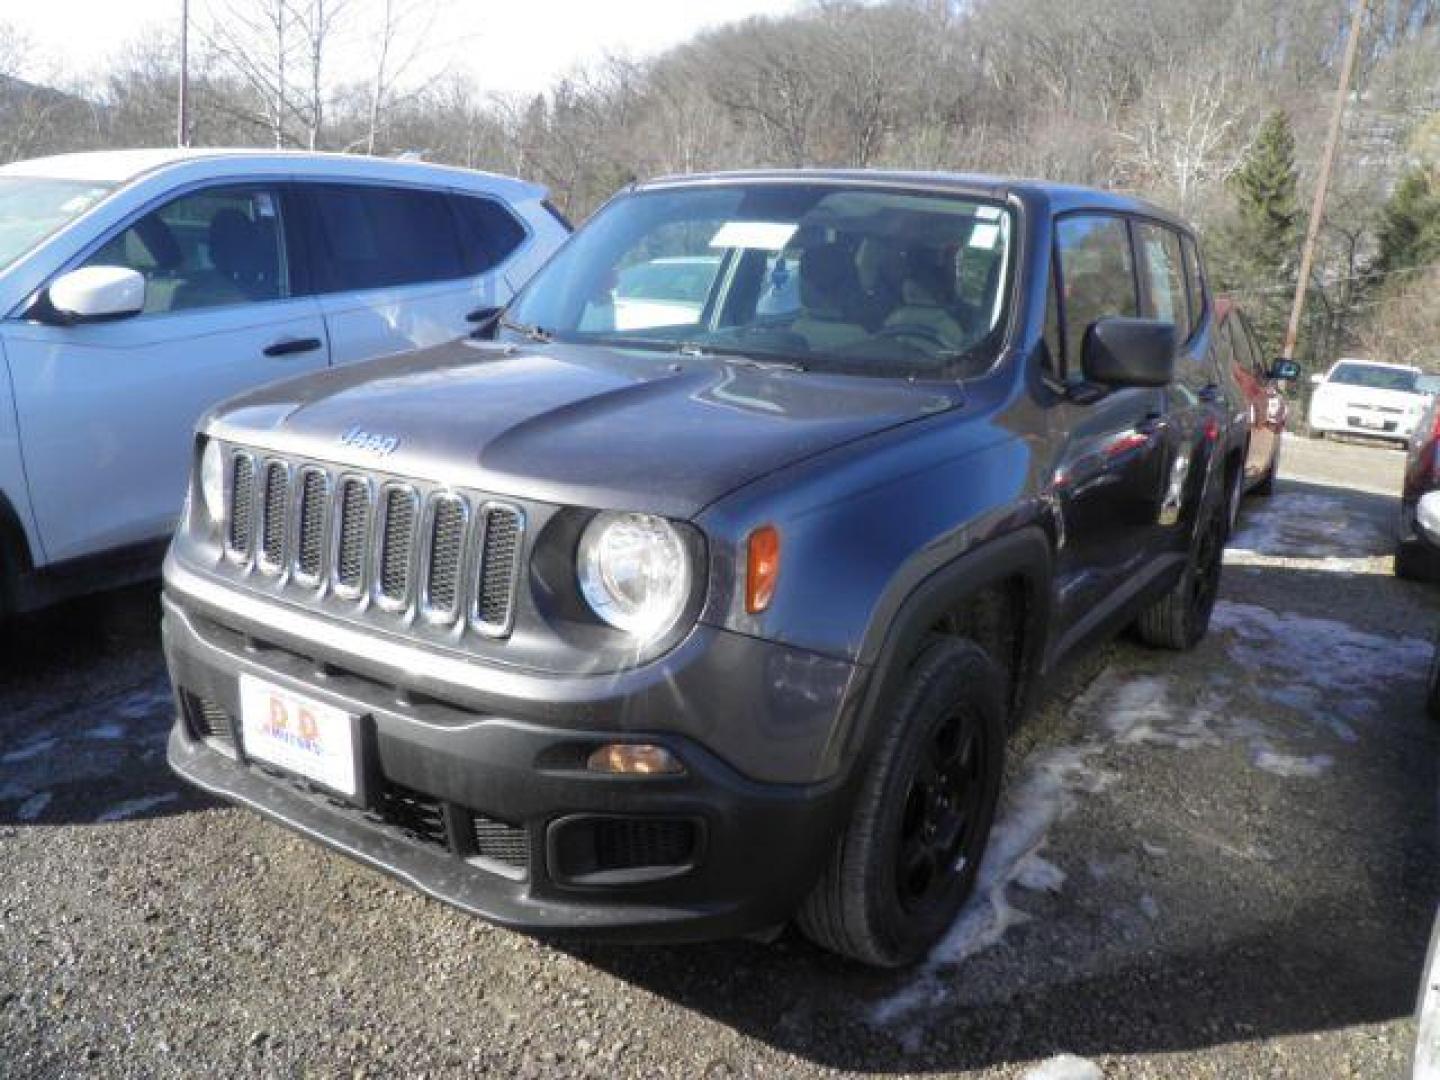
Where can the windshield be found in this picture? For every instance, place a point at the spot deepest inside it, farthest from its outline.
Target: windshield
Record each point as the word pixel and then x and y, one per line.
pixel 1374 377
pixel 822 276
pixel 31 208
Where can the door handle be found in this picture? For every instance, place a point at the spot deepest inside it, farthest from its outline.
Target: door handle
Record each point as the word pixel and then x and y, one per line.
pixel 292 345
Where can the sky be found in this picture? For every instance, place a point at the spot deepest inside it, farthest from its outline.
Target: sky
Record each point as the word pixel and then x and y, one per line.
pixel 509 46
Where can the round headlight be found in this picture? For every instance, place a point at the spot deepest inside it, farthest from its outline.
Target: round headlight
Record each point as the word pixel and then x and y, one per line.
pixel 634 572
pixel 212 481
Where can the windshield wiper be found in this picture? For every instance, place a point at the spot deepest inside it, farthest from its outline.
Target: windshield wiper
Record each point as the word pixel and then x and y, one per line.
pixel 528 331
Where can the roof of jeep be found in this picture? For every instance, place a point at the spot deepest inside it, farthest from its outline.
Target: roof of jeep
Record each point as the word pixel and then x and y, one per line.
pixel 1060 198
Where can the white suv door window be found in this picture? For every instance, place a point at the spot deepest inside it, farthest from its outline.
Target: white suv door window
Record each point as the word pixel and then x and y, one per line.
pixel 390 269
pixel 107 409
pixel 216 247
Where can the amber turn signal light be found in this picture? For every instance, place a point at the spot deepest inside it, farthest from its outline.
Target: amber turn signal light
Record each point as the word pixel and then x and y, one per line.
pixel 762 568
pixel 633 759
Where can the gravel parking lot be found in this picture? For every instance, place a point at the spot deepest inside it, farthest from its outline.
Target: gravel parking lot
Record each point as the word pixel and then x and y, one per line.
pixel 1216 864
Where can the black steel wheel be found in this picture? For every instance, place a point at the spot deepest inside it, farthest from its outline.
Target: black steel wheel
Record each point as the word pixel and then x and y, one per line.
pixel 911 852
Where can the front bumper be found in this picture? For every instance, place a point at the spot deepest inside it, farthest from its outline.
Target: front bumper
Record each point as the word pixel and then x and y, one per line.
pixel 490 809
pixel 1364 422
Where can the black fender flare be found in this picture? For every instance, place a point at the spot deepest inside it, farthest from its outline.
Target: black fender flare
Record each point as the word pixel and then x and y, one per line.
pixel 1026 553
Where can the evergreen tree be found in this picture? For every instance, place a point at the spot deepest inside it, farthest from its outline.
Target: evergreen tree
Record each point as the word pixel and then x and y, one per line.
pixel 1409 231
pixel 1261 248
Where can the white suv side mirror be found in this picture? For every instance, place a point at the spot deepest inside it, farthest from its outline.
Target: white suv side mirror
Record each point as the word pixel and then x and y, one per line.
pixel 93 293
pixel 1427 516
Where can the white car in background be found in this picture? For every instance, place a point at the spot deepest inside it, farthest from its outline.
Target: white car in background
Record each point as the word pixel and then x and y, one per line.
pixel 138 288
pixel 1363 397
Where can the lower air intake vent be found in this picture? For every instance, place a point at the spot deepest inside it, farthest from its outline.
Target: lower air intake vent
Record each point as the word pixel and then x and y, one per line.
pixel 414 813
pixel 501 843
pixel 207 720
pixel 615 850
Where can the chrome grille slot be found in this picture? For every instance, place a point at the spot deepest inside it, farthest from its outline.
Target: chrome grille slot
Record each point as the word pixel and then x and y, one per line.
pixel 310 525
pixel 444 558
pixel 351 540
pixel 242 504
pixel 494 605
pixel 272 515
pixel 397 545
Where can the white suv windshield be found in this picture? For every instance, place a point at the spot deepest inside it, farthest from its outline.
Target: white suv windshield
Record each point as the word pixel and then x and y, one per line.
pixel 31 208
pixel 1374 377
pixel 856 279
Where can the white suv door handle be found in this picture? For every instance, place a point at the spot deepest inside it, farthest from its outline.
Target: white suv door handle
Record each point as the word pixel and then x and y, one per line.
pixel 292 345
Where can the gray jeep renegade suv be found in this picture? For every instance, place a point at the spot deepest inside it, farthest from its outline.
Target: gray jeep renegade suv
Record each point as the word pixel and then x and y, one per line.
pixel 701 590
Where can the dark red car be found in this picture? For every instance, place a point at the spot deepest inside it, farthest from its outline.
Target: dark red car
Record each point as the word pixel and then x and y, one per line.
pixel 1254 386
pixel 1416 554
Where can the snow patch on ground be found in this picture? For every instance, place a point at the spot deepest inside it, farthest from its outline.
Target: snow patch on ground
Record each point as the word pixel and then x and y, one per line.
pixel 33 807
pixel 1291 765
pixel 1312 679
pixel 1309 525
pixel 134 807
pixel 1065 1067
pixel 32 749
pixel 1046 793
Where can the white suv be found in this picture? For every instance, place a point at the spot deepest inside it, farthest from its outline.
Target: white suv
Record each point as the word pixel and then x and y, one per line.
pixel 1363 397
pixel 138 288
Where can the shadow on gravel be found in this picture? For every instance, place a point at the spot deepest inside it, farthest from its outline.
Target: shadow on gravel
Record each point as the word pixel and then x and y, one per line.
pixel 1306 974
pixel 86 711
pixel 1328 931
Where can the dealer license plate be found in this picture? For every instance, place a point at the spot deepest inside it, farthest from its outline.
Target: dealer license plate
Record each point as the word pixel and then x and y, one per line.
pixel 299 734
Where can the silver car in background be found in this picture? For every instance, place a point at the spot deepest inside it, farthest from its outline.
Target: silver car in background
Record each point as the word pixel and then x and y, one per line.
pixel 138 288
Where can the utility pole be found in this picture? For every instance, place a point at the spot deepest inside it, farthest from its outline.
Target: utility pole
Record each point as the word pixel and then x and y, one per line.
pixel 1322 186
pixel 182 118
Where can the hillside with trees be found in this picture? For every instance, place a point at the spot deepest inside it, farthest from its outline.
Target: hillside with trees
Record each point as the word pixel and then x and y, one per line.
pixel 1216 110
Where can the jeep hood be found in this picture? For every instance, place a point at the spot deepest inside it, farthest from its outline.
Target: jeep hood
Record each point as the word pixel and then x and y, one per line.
pixel 578 425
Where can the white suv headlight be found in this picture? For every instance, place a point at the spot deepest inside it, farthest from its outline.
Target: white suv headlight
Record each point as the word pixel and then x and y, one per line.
pixel 212 481
pixel 635 573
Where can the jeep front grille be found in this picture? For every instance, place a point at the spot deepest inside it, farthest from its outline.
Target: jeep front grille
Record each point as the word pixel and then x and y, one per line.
pixel 272 516
pixel 354 531
pixel 242 504
pixel 495 591
pixel 446 554
pixel 397 542
pixel 379 542
pixel 310 545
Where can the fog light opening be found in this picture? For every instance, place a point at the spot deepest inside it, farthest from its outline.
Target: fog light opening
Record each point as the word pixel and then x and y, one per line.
pixel 634 759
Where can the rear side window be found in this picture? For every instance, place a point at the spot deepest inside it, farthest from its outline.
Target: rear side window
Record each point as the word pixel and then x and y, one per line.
pixel 489 233
pixel 1194 282
pixel 1165 297
pixel 1244 353
pixel 377 237
pixel 1224 348
pixel 1097 276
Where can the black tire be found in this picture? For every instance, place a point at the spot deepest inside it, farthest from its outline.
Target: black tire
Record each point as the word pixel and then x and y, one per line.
pixel 1180 618
pixel 1415 562
pixel 909 857
pixel 1234 496
pixel 1266 487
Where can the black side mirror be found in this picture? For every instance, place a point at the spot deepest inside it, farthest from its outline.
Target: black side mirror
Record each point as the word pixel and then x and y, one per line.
pixel 486 320
pixel 1129 352
pixel 1284 370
